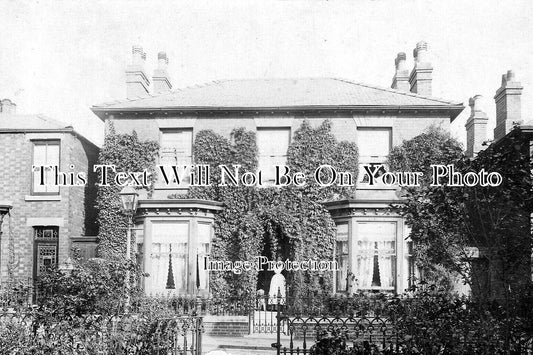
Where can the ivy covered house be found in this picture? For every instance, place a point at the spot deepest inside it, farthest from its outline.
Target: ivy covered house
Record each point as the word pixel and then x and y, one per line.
pixel 262 123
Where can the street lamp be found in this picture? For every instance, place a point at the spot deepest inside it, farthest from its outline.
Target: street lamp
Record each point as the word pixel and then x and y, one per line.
pixel 129 198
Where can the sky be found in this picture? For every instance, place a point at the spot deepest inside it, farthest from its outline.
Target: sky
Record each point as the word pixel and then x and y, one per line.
pixel 59 58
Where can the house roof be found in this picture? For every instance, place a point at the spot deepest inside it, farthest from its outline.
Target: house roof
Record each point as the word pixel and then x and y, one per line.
pixel 280 94
pixel 14 123
pixel 29 122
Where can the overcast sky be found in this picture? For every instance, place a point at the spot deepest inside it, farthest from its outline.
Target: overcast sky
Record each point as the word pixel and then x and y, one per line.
pixel 60 58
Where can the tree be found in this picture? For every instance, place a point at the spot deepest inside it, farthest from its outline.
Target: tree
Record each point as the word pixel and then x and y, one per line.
pixel 447 221
pixel 431 212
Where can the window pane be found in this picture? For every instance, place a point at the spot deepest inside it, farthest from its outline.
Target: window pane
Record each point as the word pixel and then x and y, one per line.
pixel 374 142
pixel 169 256
pixel 176 149
pixel 341 257
pixel 272 145
pixel 45 153
pixel 204 239
pixel 376 255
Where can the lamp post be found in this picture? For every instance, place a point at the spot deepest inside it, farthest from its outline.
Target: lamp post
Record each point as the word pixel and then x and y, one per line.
pixel 129 198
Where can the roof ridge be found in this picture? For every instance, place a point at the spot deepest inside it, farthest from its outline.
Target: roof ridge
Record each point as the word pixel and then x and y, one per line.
pixel 397 91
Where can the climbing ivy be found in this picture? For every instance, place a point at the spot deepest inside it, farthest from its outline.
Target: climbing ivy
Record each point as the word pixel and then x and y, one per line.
pixel 127 153
pixel 283 223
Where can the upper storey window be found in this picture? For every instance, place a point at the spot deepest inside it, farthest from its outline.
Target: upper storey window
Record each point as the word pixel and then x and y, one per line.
pixel 176 147
pixel 45 153
pixel 272 144
pixel 374 145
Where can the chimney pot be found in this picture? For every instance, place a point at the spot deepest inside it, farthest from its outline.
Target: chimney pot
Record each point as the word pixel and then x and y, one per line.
pixel 400 61
pixel 7 107
pixel 510 75
pixel 162 60
pixel 420 52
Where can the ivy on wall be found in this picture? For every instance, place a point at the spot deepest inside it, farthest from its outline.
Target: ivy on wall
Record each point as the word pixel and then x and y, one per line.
pixel 127 153
pixel 279 223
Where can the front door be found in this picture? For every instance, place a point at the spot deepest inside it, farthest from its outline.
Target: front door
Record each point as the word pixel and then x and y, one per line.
pixel 45 254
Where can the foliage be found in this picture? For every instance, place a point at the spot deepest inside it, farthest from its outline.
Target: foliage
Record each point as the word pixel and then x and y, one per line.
pixel 428 320
pixel 41 332
pixel 434 146
pixel 128 153
pixel 95 286
pixel 313 147
pixel 280 223
pixel 446 220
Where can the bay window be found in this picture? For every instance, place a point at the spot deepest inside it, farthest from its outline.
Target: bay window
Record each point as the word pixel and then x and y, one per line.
pixel 176 254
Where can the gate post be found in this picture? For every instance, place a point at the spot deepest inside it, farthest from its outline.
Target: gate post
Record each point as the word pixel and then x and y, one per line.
pixel 277 344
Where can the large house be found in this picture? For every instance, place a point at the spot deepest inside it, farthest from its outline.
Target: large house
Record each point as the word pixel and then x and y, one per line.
pixel 372 243
pixel 42 222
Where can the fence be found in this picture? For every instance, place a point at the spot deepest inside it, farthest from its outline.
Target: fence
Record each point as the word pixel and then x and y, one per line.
pixel 430 323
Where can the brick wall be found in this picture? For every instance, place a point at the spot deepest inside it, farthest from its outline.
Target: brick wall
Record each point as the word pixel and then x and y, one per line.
pixel 231 326
pixel 69 211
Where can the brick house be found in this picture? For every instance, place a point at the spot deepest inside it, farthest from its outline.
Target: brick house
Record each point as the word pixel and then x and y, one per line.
pixel 510 135
pixel 45 221
pixel 371 243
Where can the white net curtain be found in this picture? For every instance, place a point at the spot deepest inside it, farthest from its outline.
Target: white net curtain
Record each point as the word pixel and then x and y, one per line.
pixel 376 251
pixel 169 240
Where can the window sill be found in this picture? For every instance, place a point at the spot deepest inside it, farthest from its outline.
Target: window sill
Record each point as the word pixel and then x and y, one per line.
pixel 42 198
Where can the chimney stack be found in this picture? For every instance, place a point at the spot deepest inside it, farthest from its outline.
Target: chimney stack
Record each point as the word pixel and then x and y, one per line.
pixel 161 79
pixel 137 82
pixel 420 78
pixel 400 81
pixel 7 107
pixel 476 126
pixel 508 105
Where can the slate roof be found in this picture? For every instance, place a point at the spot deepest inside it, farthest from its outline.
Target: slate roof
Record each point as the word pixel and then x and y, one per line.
pixel 30 122
pixel 15 123
pixel 277 94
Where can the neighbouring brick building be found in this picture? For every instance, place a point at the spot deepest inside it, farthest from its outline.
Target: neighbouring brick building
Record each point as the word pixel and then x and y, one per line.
pixel 370 240
pixel 45 221
pixel 510 135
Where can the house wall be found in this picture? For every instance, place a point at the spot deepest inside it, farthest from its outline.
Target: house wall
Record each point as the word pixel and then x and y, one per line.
pixel 344 127
pixel 72 211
